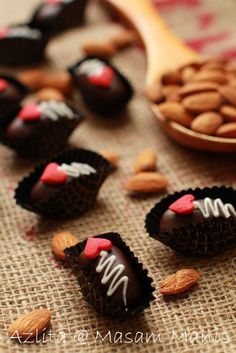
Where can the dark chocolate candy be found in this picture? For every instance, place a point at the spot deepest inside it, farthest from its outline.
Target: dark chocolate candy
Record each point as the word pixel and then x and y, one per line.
pixel 11 94
pixel 111 277
pixel 54 16
pixel 55 176
pixel 102 86
pixel 178 214
pixel 21 45
pixel 42 127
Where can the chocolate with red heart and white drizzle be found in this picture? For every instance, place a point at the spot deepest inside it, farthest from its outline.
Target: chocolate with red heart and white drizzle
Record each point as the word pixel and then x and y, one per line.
pixel 55 175
pixel 22 31
pixel 118 280
pixel 97 71
pixel 186 210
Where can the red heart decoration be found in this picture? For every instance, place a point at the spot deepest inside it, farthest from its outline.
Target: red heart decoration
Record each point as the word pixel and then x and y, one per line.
pixel 3 85
pixel 184 205
pixel 30 112
pixel 95 245
pixel 53 2
pixel 103 79
pixel 52 175
pixel 3 32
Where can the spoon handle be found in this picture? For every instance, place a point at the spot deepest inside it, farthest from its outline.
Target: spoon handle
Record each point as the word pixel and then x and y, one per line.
pixel 164 50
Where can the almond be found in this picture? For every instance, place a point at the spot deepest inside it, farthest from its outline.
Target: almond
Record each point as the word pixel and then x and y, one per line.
pixel 228 93
pixel 34 323
pixel 227 130
pixel 228 112
pixel 179 282
pixel 49 93
pixel 154 93
pixel 146 182
pixel 207 123
pixel 60 242
pixel 124 38
pixel 211 76
pixel 104 50
pixel 176 112
pixel 202 102
pixel 198 87
pixel 33 78
pixel 188 74
pixel 213 65
pixel 146 161
pixel 112 157
pixel 172 78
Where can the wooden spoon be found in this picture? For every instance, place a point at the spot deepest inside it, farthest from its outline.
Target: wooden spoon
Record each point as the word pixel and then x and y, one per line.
pixel 166 52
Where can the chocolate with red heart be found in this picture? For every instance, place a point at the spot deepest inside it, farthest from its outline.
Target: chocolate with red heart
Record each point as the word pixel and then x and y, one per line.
pixel 55 176
pixel 54 16
pixel 12 93
pixel 111 274
pixel 186 210
pixel 21 45
pixel 101 85
pixel 41 127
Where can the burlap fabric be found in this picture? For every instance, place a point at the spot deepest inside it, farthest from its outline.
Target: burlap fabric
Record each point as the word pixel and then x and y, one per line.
pixel 203 320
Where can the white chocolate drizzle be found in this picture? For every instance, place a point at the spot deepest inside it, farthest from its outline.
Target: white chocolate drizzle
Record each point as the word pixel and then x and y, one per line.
pixel 112 273
pixel 54 110
pixel 76 169
pixel 91 67
pixel 24 31
pixel 215 207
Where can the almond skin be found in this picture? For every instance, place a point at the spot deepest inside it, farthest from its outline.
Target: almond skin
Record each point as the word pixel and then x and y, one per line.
pixel 124 38
pixel 49 93
pixel 227 130
pixel 211 76
pixel 175 112
pixel 228 93
pixel 103 50
pixel 228 112
pixel 188 74
pixel 60 242
pixel 112 157
pixel 146 182
pixel 179 282
pixel 34 323
pixel 207 123
pixel 146 161
pixel 32 78
pixel 198 87
pixel 202 102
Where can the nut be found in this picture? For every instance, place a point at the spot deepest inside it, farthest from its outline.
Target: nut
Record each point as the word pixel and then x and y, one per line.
pixel 172 78
pixel 154 93
pixel 188 74
pixel 33 79
pixel 146 182
pixel 179 282
pixel 202 102
pixel 103 50
pixel 146 161
pixel 112 157
pixel 211 76
pixel 228 112
pixel 60 242
pixel 207 123
pixel 49 93
pixel 227 130
pixel 228 93
pixel 32 323
pixel 198 87
pixel 124 38
pixel 176 112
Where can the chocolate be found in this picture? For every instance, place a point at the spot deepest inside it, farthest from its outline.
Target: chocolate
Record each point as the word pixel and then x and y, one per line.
pixel 196 222
pixel 21 45
pixel 12 93
pixel 176 217
pixel 101 85
pixel 66 186
pixel 55 176
pixel 41 128
pixel 54 16
pixel 117 280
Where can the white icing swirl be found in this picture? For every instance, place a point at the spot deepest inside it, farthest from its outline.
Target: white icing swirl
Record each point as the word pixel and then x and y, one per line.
pixel 76 169
pixel 91 67
pixel 215 207
pixel 54 110
pixel 115 273
pixel 24 31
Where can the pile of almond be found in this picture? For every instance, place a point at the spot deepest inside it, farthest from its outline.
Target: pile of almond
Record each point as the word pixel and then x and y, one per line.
pixel 200 96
